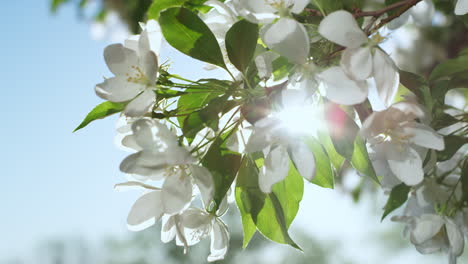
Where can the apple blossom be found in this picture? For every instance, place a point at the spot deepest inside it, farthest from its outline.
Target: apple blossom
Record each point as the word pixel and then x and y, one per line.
pixel 275 140
pixel 395 134
pixel 361 59
pixel 135 77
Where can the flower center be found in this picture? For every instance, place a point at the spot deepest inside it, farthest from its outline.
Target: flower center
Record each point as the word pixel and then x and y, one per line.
pixel 137 76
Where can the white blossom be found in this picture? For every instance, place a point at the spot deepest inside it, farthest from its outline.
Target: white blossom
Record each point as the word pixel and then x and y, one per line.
pixel 135 77
pixel 157 149
pixel 285 36
pixel 396 136
pixel 361 60
pixel 275 140
pixel 193 225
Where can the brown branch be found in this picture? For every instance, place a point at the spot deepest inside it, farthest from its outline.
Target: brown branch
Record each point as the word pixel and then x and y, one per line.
pixel 409 4
pixel 378 13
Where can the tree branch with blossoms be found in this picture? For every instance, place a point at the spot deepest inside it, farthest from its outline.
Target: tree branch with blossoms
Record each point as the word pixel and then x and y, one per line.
pixel 289 110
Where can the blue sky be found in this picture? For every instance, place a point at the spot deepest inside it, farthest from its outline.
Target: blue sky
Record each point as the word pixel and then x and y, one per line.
pixel 56 183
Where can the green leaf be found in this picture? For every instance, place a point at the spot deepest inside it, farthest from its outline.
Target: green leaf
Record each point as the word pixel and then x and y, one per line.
pixel 281 68
pixel 451 68
pixel 323 170
pixel 186 32
pixel 443 120
pixel 328 6
pixel 245 181
pixel 223 165
pixel 397 198
pixel 192 102
pixel 452 145
pixel 335 158
pixel 160 5
pixel 361 161
pixel 241 41
pixel 103 110
pixel 206 117
pixel 56 4
pixel 272 213
pixel 343 130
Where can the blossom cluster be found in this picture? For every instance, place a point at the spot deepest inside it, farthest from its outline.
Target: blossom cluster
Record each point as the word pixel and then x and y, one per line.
pixel 172 164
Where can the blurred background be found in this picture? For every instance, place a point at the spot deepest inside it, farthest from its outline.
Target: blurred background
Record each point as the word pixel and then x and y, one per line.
pixel 57 203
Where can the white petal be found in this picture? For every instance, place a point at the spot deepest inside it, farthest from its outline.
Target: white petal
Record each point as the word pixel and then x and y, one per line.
pixel 144 132
pixel 399 21
pixel 341 27
pixel 406 164
pixel 423 12
pixel 176 193
pixel 133 185
pixel 120 59
pixel 141 105
pixel 357 63
pixel 257 6
pixel 426 227
pixel 196 224
pixel 303 159
pixel 386 77
pixel 168 229
pixel 289 38
pixel 264 63
pixel 145 212
pixel 425 136
pixel 118 89
pixel 150 67
pixel 140 164
pixel 261 136
pixel 456 238
pixel 275 168
pixel 461 7
pixel 298 5
pixel 204 181
pixel 219 241
pixel 342 90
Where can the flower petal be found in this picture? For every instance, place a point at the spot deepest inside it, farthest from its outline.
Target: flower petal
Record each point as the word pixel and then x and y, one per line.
pixel 425 136
pixel 405 163
pixel 357 63
pixel 219 241
pixel 275 168
pixel 149 65
pixel 145 212
pixel 293 41
pixel 143 165
pixel 341 27
pixel 423 12
pixel 176 193
pixel 461 7
pixel 399 21
pixel 168 229
pixel 303 159
pixel 264 63
pixel 386 77
pixel 141 105
pixel 204 181
pixel 118 89
pixel 426 227
pixel 120 59
pixel 342 90
pixel 455 237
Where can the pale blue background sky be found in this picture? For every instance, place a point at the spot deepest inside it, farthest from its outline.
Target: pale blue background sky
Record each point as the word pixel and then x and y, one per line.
pixel 56 184
pixel 53 182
